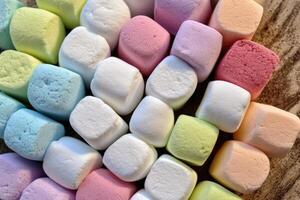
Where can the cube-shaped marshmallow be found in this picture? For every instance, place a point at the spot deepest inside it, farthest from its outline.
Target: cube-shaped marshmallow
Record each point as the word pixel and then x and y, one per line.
pixel 138 7
pixel 141 195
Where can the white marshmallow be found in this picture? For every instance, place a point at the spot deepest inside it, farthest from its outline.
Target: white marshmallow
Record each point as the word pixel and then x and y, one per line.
pixel 138 7
pixel 170 179
pixel 105 18
pixel 173 81
pixel 118 84
pixel 129 158
pixel 68 161
pixel 224 105
pixel 141 195
pixel 152 121
pixel 97 123
pixel 81 50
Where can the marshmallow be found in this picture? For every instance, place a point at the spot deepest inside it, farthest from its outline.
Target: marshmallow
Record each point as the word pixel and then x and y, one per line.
pixel 38 33
pixel 81 51
pixel 173 81
pixel 199 45
pixel 7 107
pixel 270 129
pixel 101 184
pixel 141 195
pixel 192 140
pixel 55 91
pixel 97 123
pixel 105 18
pixel 129 158
pixel 236 20
pixel 16 71
pixel 143 43
pixel 240 167
pixel 224 105
pixel 68 161
pixel 45 188
pixel 138 7
pixel 170 179
pixel 16 174
pixel 118 84
pixel 68 10
pixel 152 121
pixel 248 65
pixel 7 10
pixel 172 13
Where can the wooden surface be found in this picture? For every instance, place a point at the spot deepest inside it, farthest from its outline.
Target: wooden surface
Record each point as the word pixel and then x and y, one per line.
pixel 279 31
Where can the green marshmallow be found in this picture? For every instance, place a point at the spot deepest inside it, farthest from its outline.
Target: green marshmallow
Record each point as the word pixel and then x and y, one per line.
pixel 7 9
pixel 15 72
pixel 192 140
pixel 37 32
pixel 207 190
pixel 68 10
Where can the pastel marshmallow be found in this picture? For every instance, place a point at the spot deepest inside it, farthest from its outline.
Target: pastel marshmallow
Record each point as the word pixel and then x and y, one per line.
pixel 224 105
pixel 7 10
pixel 30 133
pixel 192 140
pixel 97 123
pixel 101 184
pixel 118 84
pixel 138 7
pixel 236 19
pixel 55 91
pixel 68 10
pixel 170 179
pixel 129 158
pixel 16 71
pixel 172 13
pixel 270 129
pixel 152 121
pixel 173 81
pixel 105 18
pixel 143 43
pixel 68 162
pixel 248 65
pixel 8 106
pixel 45 188
pixel 199 45
pixel 81 51
pixel 38 33
pixel 16 174
pixel 141 195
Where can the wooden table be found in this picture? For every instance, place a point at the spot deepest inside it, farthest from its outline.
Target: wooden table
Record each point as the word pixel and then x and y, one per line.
pixel 279 31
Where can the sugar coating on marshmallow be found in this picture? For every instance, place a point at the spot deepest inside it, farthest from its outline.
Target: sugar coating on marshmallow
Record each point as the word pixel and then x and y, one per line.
pixel 224 105
pixel 55 91
pixel 143 43
pixel 240 167
pixel 248 65
pixel 68 161
pixel 172 13
pixel 81 50
pixel 97 123
pixel 138 7
pixel 199 45
pixel 46 189
pixel 152 121
pixel 7 10
pixel 270 129
pixel 68 10
pixel 105 18
pixel 118 84
pixel 236 20
pixel 8 106
pixel 101 184
pixel 16 174
pixel 29 133
pixel 141 195
pixel 170 179
pixel 173 81
pixel 16 71
pixel 129 158
pixel 38 33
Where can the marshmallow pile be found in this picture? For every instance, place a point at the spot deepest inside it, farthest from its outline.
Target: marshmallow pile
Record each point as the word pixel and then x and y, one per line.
pixel 120 73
